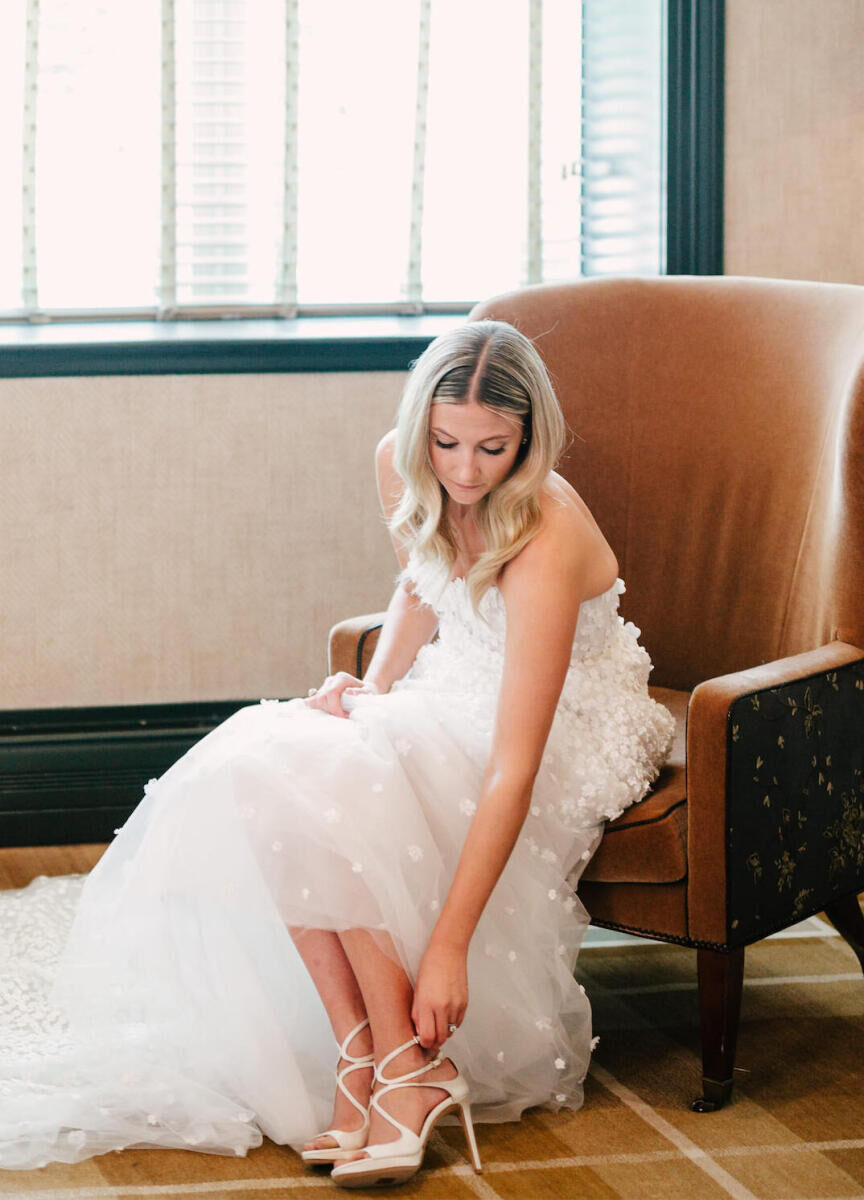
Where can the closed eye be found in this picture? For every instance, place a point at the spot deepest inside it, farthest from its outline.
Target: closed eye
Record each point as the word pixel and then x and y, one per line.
pixel 486 450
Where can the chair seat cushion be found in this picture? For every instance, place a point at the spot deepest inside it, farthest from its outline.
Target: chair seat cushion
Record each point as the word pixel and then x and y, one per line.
pixel 648 842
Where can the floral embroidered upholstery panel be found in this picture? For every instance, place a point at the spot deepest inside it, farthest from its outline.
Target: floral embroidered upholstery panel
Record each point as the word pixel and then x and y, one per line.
pixel 795 800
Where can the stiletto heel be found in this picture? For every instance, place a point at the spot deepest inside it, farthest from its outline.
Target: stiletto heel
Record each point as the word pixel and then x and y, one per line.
pixel 396 1161
pixel 468 1128
pixel 347 1141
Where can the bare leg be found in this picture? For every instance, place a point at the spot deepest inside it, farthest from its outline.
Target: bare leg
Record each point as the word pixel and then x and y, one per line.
pixel 325 960
pixel 387 995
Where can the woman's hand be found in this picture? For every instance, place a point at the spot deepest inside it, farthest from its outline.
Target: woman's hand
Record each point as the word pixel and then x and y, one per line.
pixel 440 995
pixel 328 697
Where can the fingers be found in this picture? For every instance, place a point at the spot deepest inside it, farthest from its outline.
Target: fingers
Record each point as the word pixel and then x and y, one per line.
pixel 425 1027
pixel 324 703
pixel 423 1019
pixel 328 697
pixel 453 1022
pixel 442 1029
pixel 433 1025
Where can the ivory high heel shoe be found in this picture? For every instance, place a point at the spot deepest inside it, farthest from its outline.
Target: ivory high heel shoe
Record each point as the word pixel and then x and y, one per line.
pixel 396 1161
pixel 347 1141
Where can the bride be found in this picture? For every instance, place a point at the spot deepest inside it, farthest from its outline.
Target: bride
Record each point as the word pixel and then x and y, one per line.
pixel 390 860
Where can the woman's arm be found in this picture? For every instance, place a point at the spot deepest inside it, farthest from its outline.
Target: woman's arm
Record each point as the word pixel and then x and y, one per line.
pixel 542 589
pixel 409 623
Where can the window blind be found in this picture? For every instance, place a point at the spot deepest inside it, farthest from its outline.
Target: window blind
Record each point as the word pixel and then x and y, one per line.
pixel 622 193
pixel 28 164
pixel 282 156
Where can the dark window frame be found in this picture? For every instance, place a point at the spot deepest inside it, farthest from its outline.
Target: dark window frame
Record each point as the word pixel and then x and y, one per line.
pixel 694 246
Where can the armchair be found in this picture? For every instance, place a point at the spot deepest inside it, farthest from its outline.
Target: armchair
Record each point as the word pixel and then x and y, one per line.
pixel 719 441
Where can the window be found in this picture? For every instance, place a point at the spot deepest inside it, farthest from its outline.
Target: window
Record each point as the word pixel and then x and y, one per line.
pixel 276 156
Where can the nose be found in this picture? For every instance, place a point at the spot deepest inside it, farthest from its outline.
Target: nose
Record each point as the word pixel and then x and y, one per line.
pixel 466 470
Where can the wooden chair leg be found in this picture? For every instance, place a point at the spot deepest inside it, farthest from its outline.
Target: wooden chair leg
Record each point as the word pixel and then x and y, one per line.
pixel 721 976
pixel 846 917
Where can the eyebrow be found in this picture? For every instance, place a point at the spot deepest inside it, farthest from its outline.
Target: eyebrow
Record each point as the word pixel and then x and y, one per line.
pixel 496 437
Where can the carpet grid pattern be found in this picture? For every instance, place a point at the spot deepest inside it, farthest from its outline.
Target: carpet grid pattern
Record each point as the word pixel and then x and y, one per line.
pixel 794 1129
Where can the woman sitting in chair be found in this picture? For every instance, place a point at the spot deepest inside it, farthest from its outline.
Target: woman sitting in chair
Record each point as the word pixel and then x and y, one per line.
pixel 401 842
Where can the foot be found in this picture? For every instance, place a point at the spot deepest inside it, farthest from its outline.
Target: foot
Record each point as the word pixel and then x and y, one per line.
pixel 410 1105
pixel 359 1083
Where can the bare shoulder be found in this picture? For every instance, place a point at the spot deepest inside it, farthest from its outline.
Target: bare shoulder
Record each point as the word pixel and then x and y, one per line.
pixel 570 544
pixel 384 453
pixel 389 483
pixel 385 448
pixel 557 496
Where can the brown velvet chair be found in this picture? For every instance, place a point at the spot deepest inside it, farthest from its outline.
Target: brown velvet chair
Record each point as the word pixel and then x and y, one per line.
pixel 719 441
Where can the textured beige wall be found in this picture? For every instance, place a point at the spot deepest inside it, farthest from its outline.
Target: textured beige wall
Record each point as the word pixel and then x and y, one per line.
pixel 181 538
pixel 794 192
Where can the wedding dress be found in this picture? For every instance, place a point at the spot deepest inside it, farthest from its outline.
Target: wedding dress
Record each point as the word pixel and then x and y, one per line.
pixel 161 1001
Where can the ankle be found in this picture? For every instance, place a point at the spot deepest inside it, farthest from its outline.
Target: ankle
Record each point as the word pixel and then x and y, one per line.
pixel 360 1045
pixel 412 1058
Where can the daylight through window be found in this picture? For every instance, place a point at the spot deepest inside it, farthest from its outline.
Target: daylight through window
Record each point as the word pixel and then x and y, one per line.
pixel 169 156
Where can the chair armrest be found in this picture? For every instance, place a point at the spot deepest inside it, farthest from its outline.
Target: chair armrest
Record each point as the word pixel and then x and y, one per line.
pixel 775 787
pixel 352 643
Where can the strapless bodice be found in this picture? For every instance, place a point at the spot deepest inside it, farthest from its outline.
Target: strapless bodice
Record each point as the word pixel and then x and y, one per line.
pixel 483 632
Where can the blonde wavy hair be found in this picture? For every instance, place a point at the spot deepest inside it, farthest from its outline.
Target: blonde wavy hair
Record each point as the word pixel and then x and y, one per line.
pixel 497 366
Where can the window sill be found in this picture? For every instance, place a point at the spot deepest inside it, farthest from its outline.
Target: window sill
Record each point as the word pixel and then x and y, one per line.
pixel 223 347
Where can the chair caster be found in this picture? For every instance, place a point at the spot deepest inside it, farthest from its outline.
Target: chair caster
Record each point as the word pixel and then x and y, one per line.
pixel 716 1093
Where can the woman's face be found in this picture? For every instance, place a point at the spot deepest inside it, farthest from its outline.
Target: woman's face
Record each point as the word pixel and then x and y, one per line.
pixel 472 449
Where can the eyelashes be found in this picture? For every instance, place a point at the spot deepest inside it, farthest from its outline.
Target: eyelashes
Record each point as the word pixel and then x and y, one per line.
pixel 450 445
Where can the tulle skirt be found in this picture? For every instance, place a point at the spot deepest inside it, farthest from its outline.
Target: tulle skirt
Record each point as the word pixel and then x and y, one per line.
pixel 162 1001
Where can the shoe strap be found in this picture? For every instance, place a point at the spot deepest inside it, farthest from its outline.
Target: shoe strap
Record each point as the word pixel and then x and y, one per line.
pixel 342 1075
pixel 343 1049
pixel 388 1058
pixel 399 1081
pixel 355 1063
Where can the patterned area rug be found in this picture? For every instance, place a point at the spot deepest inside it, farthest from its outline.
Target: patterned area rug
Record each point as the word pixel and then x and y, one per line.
pixel 794 1129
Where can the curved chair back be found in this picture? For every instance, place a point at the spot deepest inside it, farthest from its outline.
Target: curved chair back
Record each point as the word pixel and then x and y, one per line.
pixel 719 440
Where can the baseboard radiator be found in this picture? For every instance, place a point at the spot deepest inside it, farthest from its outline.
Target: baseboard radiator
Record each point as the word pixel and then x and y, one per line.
pixel 72 775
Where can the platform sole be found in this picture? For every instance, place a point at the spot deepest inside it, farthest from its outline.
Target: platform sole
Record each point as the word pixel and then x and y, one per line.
pixel 381 1172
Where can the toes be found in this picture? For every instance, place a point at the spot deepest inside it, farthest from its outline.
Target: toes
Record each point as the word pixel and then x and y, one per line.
pixel 321 1143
